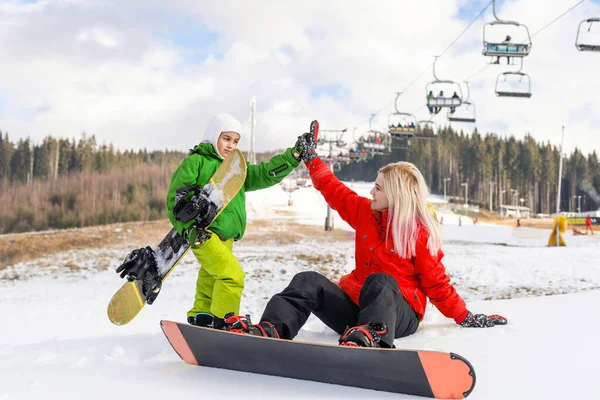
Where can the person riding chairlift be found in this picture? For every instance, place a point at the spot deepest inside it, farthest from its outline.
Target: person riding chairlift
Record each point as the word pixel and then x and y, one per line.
pixel 452 109
pixel 506 41
pixel 441 96
pixel 431 96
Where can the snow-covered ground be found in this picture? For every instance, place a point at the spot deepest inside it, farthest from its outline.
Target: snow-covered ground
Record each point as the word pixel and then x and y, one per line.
pixel 57 342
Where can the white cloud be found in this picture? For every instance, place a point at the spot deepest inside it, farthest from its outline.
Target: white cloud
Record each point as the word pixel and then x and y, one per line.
pixel 100 36
pixel 91 66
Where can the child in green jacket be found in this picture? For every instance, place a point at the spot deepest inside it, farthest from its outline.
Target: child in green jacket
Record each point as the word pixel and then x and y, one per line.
pixel 221 278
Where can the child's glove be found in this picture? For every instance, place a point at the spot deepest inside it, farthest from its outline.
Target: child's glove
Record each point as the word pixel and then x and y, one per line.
pixel 305 148
pixel 137 264
pixel 306 145
pixel 141 264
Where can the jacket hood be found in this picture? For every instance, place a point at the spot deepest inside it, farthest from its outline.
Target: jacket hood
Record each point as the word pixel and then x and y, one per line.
pixel 207 150
pixel 221 123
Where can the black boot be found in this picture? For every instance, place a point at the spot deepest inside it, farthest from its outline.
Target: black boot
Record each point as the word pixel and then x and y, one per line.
pixel 243 324
pixel 364 335
pixel 207 320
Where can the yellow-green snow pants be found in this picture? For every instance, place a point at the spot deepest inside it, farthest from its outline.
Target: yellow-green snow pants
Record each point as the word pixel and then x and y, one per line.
pixel 220 279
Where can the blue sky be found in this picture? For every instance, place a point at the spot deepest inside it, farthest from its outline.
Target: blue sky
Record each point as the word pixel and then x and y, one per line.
pixel 469 10
pixel 156 68
pixel 188 34
pixel 331 90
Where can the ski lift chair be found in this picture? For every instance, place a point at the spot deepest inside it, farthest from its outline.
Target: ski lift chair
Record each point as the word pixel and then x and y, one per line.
pixel 586 46
pixel 374 142
pixel 495 49
pixel 466 113
pixel 435 104
pixel 504 49
pixel 504 92
pixel 402 124
pixel 426 123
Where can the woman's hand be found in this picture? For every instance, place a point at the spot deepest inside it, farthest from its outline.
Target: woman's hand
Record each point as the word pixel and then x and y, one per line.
pixel 482 320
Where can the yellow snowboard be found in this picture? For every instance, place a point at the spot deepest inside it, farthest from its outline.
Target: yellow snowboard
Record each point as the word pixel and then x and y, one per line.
pixel 129 299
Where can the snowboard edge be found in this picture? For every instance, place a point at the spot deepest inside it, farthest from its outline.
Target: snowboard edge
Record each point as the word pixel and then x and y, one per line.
pixel 177 341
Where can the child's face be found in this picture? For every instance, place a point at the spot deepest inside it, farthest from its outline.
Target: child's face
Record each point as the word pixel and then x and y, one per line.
pixel 227 141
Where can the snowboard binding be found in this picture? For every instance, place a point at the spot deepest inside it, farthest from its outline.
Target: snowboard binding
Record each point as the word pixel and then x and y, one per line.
pixel 194 203
pixel 243 324
pixel 141 264
pixel 364 335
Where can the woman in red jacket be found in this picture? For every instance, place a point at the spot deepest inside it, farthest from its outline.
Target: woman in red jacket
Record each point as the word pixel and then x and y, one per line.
pixel 398 266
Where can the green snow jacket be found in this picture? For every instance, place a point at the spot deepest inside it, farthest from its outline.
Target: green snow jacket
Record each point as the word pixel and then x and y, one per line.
pixel 201 164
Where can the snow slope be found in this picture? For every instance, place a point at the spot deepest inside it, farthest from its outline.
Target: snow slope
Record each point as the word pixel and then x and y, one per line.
pixel 58 343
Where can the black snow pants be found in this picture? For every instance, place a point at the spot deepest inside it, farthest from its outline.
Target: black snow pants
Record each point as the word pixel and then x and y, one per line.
pixel 310 292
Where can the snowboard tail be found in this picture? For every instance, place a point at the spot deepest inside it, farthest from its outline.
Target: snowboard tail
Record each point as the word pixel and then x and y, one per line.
pixel 422 373
pixel 129 300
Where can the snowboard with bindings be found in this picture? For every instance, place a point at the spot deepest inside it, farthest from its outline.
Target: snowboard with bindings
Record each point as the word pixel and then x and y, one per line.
pixel 223 186
pixel 414 372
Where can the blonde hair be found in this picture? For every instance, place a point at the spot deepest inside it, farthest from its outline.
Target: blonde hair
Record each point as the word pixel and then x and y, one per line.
pixel 407 193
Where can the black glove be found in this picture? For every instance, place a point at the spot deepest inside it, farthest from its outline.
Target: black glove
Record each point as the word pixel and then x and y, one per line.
pixel 306 145
pixel 305 148
pixel 141 264
pixel 137 264
pixel 199 207
pixel 482 320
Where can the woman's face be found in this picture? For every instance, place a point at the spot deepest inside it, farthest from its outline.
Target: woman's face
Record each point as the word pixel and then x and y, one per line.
pixel 380 201
pixel 227 141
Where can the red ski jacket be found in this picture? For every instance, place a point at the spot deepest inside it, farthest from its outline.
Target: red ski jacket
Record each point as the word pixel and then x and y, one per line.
pixel 420 276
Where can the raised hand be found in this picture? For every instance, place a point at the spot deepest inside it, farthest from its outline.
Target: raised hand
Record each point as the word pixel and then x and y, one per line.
pixel 306 145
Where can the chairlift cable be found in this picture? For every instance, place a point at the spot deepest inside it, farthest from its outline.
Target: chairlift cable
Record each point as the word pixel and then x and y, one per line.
pixel 416 79
pixel 557 18
pixel 429 66
pixel 395 97
pixel 538 31
pixel 418 109
pixel 467 28
pixel 487 65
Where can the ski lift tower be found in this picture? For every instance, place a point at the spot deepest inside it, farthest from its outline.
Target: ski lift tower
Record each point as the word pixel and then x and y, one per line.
pixel 338 142
pixel 252 152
